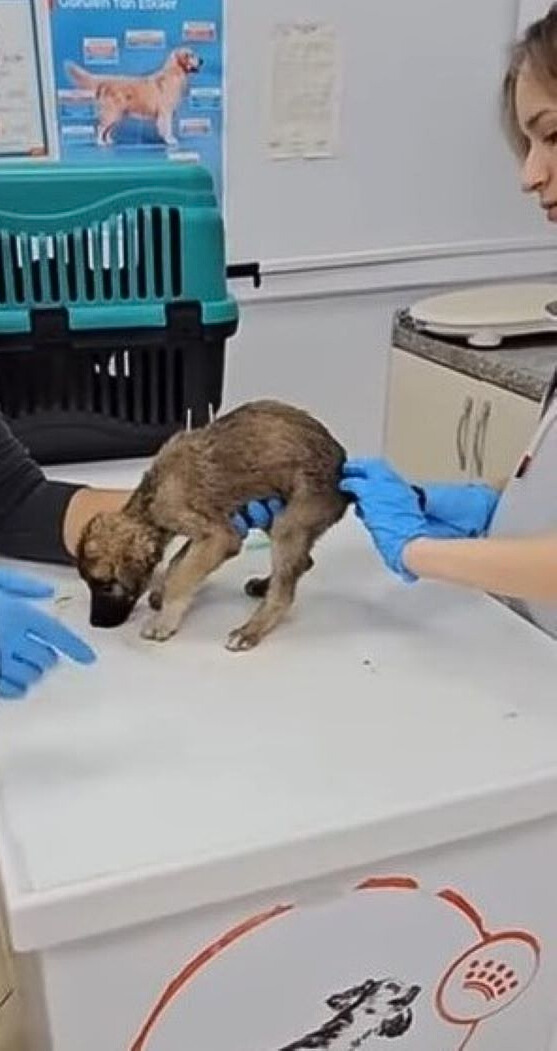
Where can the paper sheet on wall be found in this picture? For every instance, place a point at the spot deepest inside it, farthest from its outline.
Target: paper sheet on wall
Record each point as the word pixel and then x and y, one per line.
pixel 22 129
pixel 304 91
pixel 530 10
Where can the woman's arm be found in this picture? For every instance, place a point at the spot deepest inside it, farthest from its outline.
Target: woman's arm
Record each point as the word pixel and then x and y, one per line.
pixel 522 567
pixel 525 567
pixel 42 520
pixel 83 505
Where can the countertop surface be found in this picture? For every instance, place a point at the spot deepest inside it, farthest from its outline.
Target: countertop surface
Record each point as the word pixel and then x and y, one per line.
pixel 379 719
pixel 522 365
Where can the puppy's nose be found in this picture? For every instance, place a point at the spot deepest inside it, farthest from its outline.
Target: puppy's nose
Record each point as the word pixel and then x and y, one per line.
pixel 108 612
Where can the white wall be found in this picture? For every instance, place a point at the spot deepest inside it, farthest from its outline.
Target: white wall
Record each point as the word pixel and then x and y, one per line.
pixel 422 157
pixel 530 10
pixel 330 352
pixel 327 355
pixel 423 196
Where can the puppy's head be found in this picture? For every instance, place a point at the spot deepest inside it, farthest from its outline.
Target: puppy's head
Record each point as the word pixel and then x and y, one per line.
pixel 187 60
pixel 116 557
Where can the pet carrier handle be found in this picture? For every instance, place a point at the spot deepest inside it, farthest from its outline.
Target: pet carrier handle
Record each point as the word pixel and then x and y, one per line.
pixel 114 247
pixel 235 271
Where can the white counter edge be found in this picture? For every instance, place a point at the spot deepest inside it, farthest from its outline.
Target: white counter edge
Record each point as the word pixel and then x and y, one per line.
pixel 43 919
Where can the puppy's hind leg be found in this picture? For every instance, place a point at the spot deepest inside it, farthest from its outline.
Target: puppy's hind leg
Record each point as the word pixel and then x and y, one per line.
pixel 257 587
pixel 188 569
pixel 292 542
pixel 294 532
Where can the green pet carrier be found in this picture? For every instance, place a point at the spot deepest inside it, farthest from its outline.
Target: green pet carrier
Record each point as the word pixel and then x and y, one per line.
pixel 114 311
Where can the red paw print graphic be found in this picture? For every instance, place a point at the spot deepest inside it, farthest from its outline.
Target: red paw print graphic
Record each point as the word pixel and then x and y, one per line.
pixel 488 978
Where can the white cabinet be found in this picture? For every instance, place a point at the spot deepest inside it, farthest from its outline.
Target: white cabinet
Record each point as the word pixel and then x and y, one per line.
pixel 11 1034
pixel 8 1007
pixel 510 421
pixel 445 425
pixel 6 975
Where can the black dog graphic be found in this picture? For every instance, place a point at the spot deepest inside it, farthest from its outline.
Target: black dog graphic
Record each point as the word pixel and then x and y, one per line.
pixel 373 1009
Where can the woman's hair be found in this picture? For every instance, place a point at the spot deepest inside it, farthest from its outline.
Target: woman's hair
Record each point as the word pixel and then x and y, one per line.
pixel 538 49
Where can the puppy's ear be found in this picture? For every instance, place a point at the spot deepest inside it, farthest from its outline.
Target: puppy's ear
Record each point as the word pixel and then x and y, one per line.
pixel 90 546
pixel 145 547
pixel 86 550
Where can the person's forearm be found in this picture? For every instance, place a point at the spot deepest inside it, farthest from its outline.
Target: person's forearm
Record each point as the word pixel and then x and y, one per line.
pixel 42 520
pixel 84 504
pixel 525 567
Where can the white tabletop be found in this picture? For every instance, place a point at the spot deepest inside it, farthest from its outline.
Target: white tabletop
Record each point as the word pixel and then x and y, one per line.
pixel 380 719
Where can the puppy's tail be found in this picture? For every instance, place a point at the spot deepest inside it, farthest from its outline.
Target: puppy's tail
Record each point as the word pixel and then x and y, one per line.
pixel 81 77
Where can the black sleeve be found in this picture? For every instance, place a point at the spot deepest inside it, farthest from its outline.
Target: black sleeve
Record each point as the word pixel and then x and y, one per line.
pixel 32 509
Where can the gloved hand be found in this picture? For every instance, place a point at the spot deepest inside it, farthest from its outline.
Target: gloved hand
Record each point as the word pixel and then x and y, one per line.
pixel 468 508
pixel 30 640
pixel 258 514
pixel 389 508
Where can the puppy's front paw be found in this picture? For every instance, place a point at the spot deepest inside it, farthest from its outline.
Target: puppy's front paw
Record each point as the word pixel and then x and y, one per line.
pixel 160 628
pixel 171 140
pixel 242 639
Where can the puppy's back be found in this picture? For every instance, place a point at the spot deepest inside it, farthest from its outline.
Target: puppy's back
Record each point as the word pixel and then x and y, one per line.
pixel 283 435
pixel 257 449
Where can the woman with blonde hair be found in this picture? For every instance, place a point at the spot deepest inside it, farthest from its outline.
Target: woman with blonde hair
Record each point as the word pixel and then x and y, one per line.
pixel 504 543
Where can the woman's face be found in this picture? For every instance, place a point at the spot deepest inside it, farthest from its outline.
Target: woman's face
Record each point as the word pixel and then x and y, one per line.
pixel 536 110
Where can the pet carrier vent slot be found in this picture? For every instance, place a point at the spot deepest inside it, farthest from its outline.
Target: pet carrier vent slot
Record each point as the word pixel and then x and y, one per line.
pixel 114 310
pixel 134 256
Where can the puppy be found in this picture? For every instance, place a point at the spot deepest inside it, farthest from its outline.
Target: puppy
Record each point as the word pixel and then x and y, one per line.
pixel 375 1008
pixel 198 479
pixel 154 97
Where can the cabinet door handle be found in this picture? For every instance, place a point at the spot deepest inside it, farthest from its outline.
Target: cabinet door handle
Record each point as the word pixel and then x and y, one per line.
pixel 462 431
pixel 480 438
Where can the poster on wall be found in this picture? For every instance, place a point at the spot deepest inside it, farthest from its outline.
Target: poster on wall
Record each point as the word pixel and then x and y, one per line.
pixel 22 119
pixel 139 80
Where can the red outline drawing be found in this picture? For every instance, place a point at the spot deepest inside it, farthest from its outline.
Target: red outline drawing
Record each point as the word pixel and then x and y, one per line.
pixel 486 938
pixel 204 957
pixel 485 988
pixel 451 897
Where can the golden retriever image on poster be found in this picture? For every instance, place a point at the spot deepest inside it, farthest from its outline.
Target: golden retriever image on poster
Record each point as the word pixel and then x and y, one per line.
pixel 154 96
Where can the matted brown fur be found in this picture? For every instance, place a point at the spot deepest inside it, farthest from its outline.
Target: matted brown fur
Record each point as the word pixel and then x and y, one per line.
pixel 196 482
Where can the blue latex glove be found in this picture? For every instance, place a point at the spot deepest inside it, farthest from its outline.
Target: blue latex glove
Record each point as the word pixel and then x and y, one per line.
pixel 30 640
pixel 258 514
pixel 467 508
pixel 389 508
